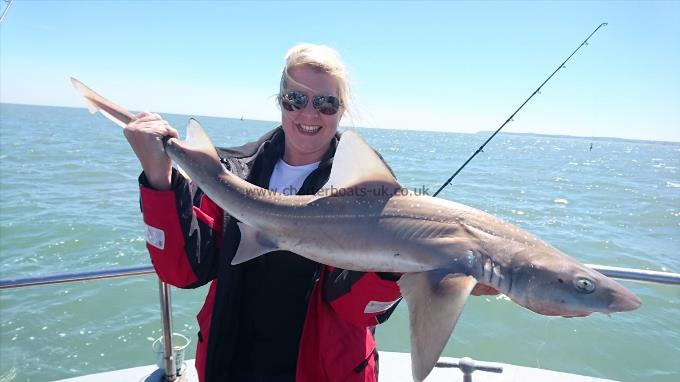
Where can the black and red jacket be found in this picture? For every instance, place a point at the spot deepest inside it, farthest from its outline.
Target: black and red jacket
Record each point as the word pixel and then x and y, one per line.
pixel 192 242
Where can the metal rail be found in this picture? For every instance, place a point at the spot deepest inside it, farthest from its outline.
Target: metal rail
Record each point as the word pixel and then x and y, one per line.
pixel 164 294
pixel 166 306
pixel 58 278
pixel 638 274
pixel 166 319
pixel 630 274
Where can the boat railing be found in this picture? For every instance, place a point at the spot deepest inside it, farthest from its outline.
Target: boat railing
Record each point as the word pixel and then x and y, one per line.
pixel 169 361
pixel 631 274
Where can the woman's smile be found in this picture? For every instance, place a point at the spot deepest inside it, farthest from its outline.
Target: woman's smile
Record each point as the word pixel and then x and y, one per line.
pixel 308 129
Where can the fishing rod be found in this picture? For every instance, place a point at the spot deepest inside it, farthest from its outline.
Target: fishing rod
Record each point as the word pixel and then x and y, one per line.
pixel 538 90
pixel 4 12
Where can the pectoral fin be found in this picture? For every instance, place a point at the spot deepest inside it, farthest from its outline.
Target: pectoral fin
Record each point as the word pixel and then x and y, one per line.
pixel 435 301
pixel 253 244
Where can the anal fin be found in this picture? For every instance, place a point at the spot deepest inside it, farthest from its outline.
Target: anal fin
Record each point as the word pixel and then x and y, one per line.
pixel 435 301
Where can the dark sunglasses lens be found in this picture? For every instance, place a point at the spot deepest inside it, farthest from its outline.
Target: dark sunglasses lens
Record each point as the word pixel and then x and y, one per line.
pixel 286 105
pixel 328 105
pixel 293 101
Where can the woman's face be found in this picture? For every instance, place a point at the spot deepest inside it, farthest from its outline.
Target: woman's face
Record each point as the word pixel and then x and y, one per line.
pixel 308 131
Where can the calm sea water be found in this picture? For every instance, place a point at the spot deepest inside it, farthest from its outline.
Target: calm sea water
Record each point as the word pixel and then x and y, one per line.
pixel 69 202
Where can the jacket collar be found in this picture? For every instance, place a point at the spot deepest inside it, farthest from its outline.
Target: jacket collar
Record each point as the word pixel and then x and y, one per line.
pixel 257 160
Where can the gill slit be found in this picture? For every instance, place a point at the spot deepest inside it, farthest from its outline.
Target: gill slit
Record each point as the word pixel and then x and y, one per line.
pixel 499 281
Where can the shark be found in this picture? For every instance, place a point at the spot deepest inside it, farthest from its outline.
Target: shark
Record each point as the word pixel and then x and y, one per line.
pixel 364 220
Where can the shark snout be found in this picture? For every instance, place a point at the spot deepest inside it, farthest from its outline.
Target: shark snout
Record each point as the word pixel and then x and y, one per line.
pixel 624 301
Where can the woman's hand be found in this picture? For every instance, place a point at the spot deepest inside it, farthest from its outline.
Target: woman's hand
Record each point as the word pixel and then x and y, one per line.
pixel 145 136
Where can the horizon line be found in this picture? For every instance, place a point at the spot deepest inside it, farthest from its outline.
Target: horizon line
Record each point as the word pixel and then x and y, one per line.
pixel 640 140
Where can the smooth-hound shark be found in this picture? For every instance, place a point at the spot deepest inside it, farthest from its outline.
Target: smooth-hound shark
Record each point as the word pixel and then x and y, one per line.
pixel 363 220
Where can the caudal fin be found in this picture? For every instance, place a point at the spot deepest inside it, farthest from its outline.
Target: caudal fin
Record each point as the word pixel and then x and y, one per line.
pixel 96 103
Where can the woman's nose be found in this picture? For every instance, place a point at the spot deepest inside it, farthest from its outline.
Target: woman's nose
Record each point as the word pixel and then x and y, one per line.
pixel 309 110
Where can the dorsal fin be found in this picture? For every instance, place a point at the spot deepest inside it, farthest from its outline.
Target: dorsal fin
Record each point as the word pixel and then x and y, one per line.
pixel 204 155
pixel 356 166
pixel 197 138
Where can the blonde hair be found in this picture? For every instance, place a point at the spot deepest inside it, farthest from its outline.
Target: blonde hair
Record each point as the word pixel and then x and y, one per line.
pixel 319 57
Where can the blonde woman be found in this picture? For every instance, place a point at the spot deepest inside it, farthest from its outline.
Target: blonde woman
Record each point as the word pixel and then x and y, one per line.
pixel 279 317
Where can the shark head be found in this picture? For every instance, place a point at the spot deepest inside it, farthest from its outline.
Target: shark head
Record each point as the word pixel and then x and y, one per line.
pixel 559 286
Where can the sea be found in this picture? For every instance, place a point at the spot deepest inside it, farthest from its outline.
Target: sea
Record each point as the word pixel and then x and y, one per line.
pixel 69 203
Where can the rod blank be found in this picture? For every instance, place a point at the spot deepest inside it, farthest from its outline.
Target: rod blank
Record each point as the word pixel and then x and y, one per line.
pixel 538 90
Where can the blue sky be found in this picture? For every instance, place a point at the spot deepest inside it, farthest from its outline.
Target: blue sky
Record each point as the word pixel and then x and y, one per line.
pixel 445 66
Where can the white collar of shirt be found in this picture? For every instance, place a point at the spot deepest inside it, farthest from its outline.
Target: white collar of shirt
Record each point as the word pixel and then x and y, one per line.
pixel 287 179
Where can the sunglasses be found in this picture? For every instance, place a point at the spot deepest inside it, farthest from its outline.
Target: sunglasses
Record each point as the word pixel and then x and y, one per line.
pixel 295 100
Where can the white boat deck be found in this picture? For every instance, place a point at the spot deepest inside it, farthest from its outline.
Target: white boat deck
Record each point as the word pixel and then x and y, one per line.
pixel 394 367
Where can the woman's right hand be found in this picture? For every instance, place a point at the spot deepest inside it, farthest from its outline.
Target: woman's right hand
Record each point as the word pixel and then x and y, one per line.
pixel 145 136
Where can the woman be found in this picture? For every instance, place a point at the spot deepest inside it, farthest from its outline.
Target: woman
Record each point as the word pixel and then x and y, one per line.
pixel 279 317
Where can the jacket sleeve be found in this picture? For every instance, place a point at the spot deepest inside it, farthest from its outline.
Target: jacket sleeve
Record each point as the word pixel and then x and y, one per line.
pixel 183 232
pixel 364 299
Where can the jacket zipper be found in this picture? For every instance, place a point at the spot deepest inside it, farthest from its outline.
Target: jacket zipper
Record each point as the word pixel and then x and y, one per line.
pixel 315 279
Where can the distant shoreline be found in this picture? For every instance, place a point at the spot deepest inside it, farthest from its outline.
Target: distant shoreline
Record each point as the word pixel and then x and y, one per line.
pixel 597 139
pixel 482 132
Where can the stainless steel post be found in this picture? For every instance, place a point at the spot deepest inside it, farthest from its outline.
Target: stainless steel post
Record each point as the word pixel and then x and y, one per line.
pixel 166 320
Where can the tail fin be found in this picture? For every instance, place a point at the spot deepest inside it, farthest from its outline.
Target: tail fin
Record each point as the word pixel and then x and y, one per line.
pixel 96 103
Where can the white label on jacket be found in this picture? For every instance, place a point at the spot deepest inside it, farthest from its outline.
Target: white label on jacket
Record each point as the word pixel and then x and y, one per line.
pixel 379 306
pixel 155 237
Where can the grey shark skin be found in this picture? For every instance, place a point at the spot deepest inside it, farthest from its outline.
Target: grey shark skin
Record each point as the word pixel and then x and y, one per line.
pixel 364 220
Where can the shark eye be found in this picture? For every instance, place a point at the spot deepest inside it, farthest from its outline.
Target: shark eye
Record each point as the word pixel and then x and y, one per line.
pixel 584 285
